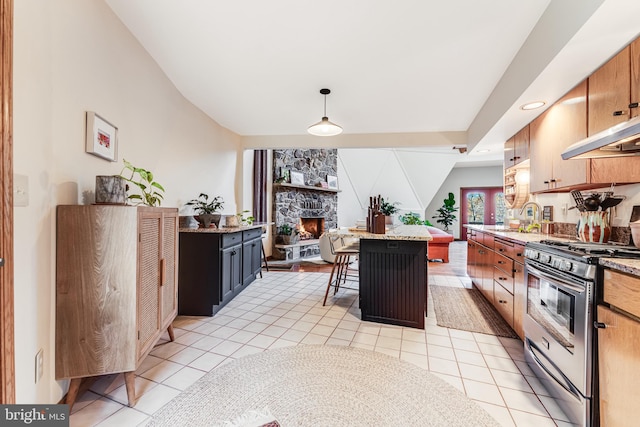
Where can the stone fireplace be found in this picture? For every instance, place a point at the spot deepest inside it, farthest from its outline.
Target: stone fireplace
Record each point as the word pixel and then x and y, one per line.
pixel 308 205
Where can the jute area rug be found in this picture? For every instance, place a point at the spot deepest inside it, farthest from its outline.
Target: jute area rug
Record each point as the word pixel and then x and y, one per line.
pixel 309 385
pixel 468 310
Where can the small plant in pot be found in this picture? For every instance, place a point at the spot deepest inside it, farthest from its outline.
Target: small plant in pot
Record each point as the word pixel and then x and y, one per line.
pixel 152 191
pixel 288 234
pixel 206 210
pixel 445 213
pixel 388 209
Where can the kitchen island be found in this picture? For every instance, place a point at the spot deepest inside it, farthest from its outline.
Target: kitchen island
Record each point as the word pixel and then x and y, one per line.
pixel 392 274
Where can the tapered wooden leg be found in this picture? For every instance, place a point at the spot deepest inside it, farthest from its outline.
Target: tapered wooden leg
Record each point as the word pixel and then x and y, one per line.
pixel 74 386
pixel 130 382
pixel 333 270
pixel 170 332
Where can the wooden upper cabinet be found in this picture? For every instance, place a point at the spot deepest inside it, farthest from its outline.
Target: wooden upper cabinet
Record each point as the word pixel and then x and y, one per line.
pixel 563 124
pixel 516 149
pixel 609 93
pixel 509 153
pixel 521 145
pixel 635 78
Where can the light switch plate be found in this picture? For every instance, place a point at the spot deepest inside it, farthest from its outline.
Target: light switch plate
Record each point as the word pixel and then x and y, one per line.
pixel 20 190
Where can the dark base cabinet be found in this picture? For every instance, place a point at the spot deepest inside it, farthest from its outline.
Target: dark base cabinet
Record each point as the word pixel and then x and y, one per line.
pixel 215 267
pixel 393 281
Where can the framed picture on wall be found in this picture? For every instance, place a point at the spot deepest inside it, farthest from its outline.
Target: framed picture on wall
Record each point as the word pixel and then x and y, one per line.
pixel 332 182
pixel 297 178
pixel 101 137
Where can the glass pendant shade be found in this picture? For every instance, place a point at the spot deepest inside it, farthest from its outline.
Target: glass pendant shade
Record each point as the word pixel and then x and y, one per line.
pixel 324 128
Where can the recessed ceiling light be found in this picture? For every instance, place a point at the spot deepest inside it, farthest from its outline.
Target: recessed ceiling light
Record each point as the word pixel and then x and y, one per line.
pixel 532 105
pixel 483 151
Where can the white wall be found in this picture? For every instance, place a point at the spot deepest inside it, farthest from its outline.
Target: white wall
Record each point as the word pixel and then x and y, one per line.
pixel 409 177
pixel 457 179
pixel 72 56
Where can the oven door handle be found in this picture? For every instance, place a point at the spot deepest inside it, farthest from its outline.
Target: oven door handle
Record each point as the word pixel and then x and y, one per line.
pixel 565 383
pixel 564 283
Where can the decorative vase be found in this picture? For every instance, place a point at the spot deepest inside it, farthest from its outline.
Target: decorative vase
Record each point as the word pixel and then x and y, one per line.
pixel 111 190
pixel 208 220
pixel 594 227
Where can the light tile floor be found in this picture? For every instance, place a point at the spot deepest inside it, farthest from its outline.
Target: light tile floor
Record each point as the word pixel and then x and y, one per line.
pixel 285 309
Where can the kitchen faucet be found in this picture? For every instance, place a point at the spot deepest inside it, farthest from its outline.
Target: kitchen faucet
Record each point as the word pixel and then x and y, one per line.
pixel 536 210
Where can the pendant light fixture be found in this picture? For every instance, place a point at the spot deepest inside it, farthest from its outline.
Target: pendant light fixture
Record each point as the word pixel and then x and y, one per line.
pixel 324 127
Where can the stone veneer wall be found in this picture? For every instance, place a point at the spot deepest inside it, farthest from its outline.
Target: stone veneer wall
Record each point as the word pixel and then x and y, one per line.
pixel 290 204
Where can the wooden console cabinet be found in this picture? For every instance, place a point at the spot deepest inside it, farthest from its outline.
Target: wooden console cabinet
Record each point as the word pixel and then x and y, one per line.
pixel 116 289
pixel 215 266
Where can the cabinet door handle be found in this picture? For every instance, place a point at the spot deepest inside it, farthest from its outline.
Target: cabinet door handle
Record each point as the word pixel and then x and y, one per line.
pixel 545 182
pixel 553 180
pixel 599 325
pixel 501 250
pixel 501 262
pixel 501 301
pixel 162 270
pixel 633 105
pixel 619 113
pixel 502 278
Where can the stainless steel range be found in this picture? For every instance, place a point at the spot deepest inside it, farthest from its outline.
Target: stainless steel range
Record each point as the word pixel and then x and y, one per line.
pixel 562 281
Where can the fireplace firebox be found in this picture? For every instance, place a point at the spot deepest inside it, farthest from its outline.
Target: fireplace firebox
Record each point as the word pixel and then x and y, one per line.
pixel 311 227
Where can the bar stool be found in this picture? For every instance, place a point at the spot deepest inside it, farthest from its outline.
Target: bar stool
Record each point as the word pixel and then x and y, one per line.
pixel 264 255
pixel 340 267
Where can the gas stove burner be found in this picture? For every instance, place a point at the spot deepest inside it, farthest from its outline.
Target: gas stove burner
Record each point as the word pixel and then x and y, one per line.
pixel 611 250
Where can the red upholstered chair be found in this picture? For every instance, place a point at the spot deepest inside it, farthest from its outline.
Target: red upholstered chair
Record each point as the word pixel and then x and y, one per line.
pixel 438 248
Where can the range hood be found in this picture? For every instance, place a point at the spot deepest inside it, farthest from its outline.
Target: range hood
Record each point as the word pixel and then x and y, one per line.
pixel 620 140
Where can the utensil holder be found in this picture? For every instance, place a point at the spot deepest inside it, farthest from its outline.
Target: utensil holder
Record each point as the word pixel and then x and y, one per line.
pixel 594 227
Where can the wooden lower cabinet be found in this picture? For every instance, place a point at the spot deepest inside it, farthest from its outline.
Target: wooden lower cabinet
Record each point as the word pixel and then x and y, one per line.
pixel 619 350
pixel 116 289
pixel 496 269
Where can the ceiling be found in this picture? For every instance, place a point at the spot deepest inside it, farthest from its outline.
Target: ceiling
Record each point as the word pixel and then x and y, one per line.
pixel 408 66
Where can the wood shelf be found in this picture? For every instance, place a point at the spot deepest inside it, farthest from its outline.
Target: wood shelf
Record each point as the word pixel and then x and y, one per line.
pixel 305 187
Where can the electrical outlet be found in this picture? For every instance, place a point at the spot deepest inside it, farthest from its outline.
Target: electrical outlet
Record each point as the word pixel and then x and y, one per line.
pixel 39 364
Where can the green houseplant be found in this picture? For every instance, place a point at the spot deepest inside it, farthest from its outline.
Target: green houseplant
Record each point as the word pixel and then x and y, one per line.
pixel 413 218
pixel 207 209
pixel 445 213
pixel 152 191
pixel 288 234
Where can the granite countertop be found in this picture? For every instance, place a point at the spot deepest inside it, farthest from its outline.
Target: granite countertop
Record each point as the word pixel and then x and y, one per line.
pixel 517 237
pixel 631 266
pixel 222 230
pixel 400 232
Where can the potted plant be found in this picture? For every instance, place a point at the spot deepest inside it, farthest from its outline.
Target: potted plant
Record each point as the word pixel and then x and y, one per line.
pixel 207 210
pixel 152 191
pixel 445 213
pixel 288 234
pixel 388 209
pixel 413 218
